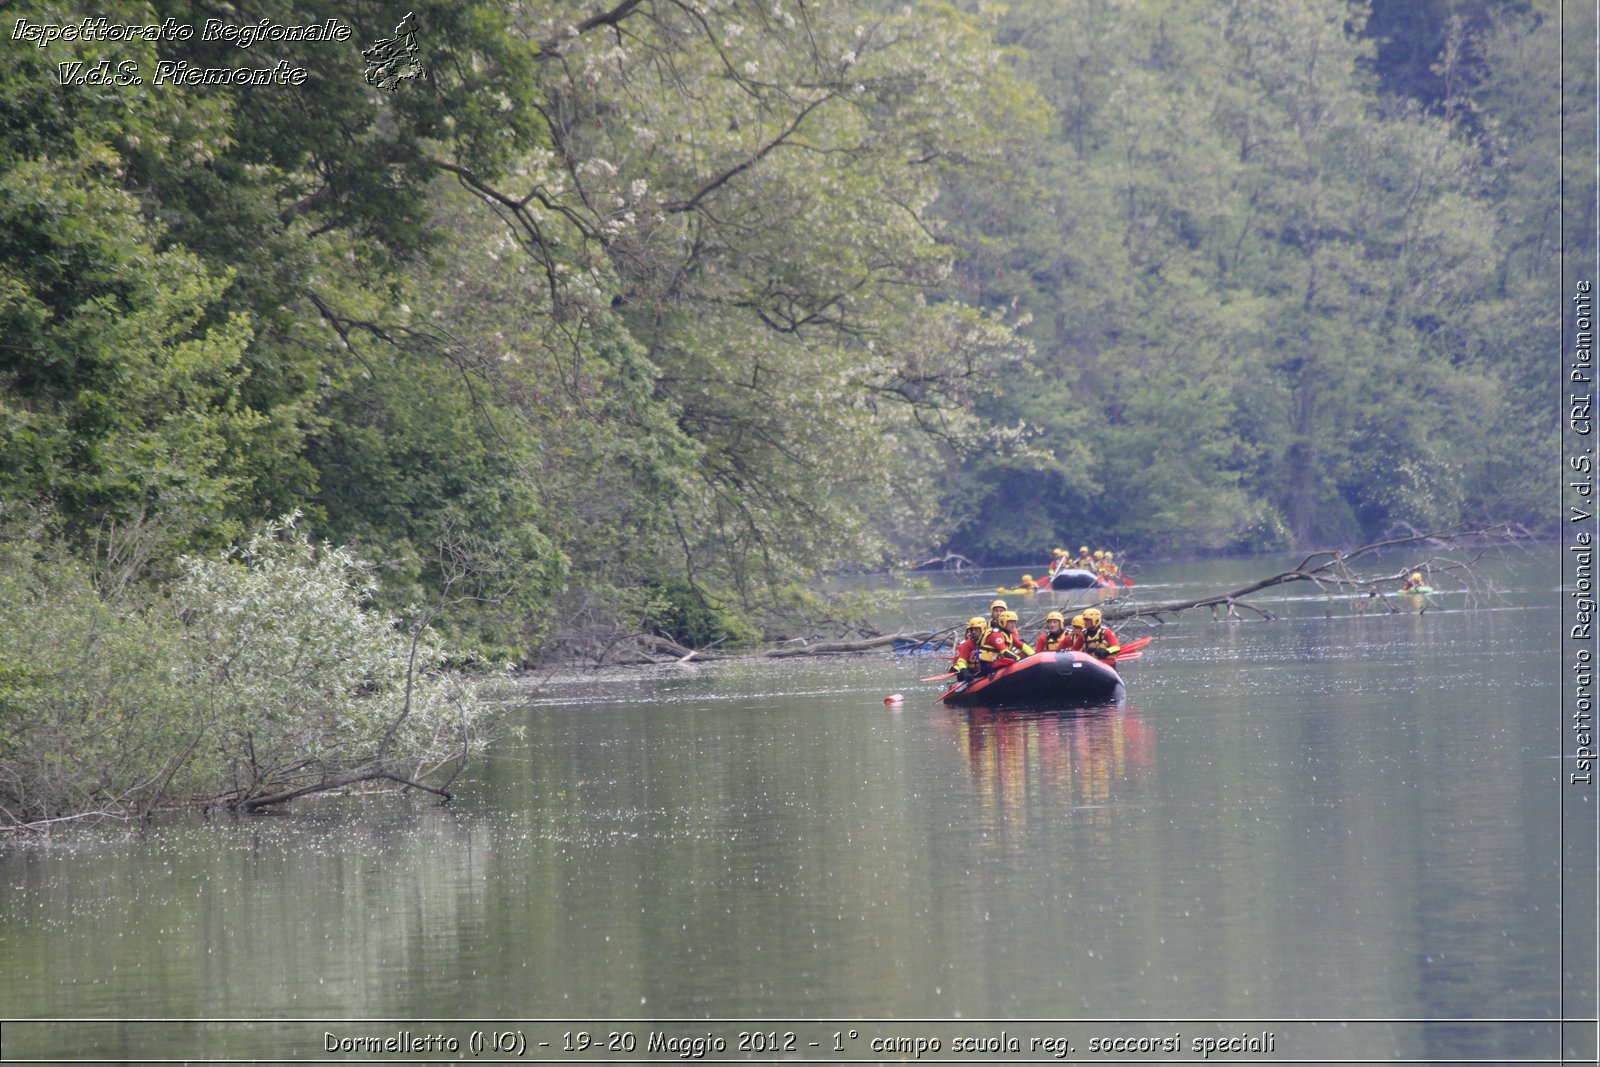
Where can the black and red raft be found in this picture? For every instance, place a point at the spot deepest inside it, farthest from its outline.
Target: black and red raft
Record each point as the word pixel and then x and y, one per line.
pixel 1044 679
pixel 1078 578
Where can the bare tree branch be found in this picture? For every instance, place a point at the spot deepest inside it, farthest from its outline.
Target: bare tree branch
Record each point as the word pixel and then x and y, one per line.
pixel 551 47
pixel 1330 570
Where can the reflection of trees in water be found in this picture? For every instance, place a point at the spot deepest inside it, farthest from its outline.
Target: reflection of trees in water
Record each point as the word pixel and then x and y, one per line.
pixel 1030 764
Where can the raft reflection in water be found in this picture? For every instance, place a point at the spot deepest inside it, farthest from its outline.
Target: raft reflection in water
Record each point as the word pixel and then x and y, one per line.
pixel 1027 765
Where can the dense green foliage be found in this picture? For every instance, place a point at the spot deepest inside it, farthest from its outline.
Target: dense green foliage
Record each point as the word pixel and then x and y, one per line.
pixel 639 314
pixel 1274 303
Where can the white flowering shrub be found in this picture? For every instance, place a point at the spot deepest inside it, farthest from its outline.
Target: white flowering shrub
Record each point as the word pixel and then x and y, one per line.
pixel 302 686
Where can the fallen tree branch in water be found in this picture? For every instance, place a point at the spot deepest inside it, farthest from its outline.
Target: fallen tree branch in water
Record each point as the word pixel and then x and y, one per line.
pixel 340 781
pixel 1332 572
pixel 950 561
pixel 640 649
pixel 823 648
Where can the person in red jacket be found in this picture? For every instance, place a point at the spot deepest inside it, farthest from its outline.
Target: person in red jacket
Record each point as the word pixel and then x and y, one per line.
pixel 1019 649
pixel 1056 637
pixel 965 663
pixel 1075 634
pixel 993 646
pixel 1098 640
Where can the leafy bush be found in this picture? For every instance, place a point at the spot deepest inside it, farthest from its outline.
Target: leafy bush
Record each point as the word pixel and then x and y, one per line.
pixel 264 677
pixel 90 717
pixel 302 686
pixel 690 618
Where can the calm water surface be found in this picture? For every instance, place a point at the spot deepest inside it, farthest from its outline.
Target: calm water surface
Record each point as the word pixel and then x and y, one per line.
pixel 1330 816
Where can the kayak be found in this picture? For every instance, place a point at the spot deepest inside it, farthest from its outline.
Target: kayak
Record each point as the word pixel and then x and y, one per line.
pixel 1076 578
pixel 1049 679
pixel 1415 599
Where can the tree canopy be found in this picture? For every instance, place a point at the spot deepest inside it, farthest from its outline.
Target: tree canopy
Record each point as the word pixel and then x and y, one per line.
pixel 642 314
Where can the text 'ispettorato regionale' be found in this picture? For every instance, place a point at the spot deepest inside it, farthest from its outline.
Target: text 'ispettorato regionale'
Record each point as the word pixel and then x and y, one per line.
pixel 108 71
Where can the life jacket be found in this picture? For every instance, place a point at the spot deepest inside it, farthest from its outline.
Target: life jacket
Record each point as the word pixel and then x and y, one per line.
pixel 1101 643
pixel 966 655
pixel 992 646
pixel 1019 648
pixel 1057 642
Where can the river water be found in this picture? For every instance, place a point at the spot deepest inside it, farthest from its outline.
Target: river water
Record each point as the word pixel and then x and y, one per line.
pixel 1344 833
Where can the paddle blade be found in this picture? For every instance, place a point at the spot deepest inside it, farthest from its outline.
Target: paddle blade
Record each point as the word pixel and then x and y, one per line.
pixel 1127 581
pixel 941 677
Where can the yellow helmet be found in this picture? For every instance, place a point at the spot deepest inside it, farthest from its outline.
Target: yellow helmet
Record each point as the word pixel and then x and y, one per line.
pixel 1099 554
pixel 1008 616
pixel 1027 578
pixel 1092 617
pixel 1108 553
pixel 1077 620
pixel 1083 548
pixel 977 622
pixel 1416 576
pixel 1054 616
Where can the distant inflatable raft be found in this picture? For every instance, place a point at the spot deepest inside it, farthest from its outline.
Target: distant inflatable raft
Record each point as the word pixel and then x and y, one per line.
pixel 1075 578
pixel 1045 679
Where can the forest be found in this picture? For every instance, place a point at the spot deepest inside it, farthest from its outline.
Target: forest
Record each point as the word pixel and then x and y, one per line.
pixel 640 316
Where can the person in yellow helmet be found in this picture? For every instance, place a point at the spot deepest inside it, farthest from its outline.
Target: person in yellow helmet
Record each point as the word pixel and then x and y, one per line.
pixel 965 663
pixel 1414 584
pixel 1084 561
pixel 1098 640
pixel 995 642
pixel 1055 637
pixel 1016 648
pixel 1075 634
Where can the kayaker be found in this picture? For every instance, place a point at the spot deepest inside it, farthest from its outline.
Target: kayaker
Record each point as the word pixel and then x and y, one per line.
pixel 1056 637
pixel 1018 648
pixel 1413 583
pixel 965 663
pixel 1098 640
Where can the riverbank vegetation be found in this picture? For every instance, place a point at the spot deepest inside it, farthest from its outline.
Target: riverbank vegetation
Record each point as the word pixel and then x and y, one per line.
pixel 262 677
pixel 636 316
